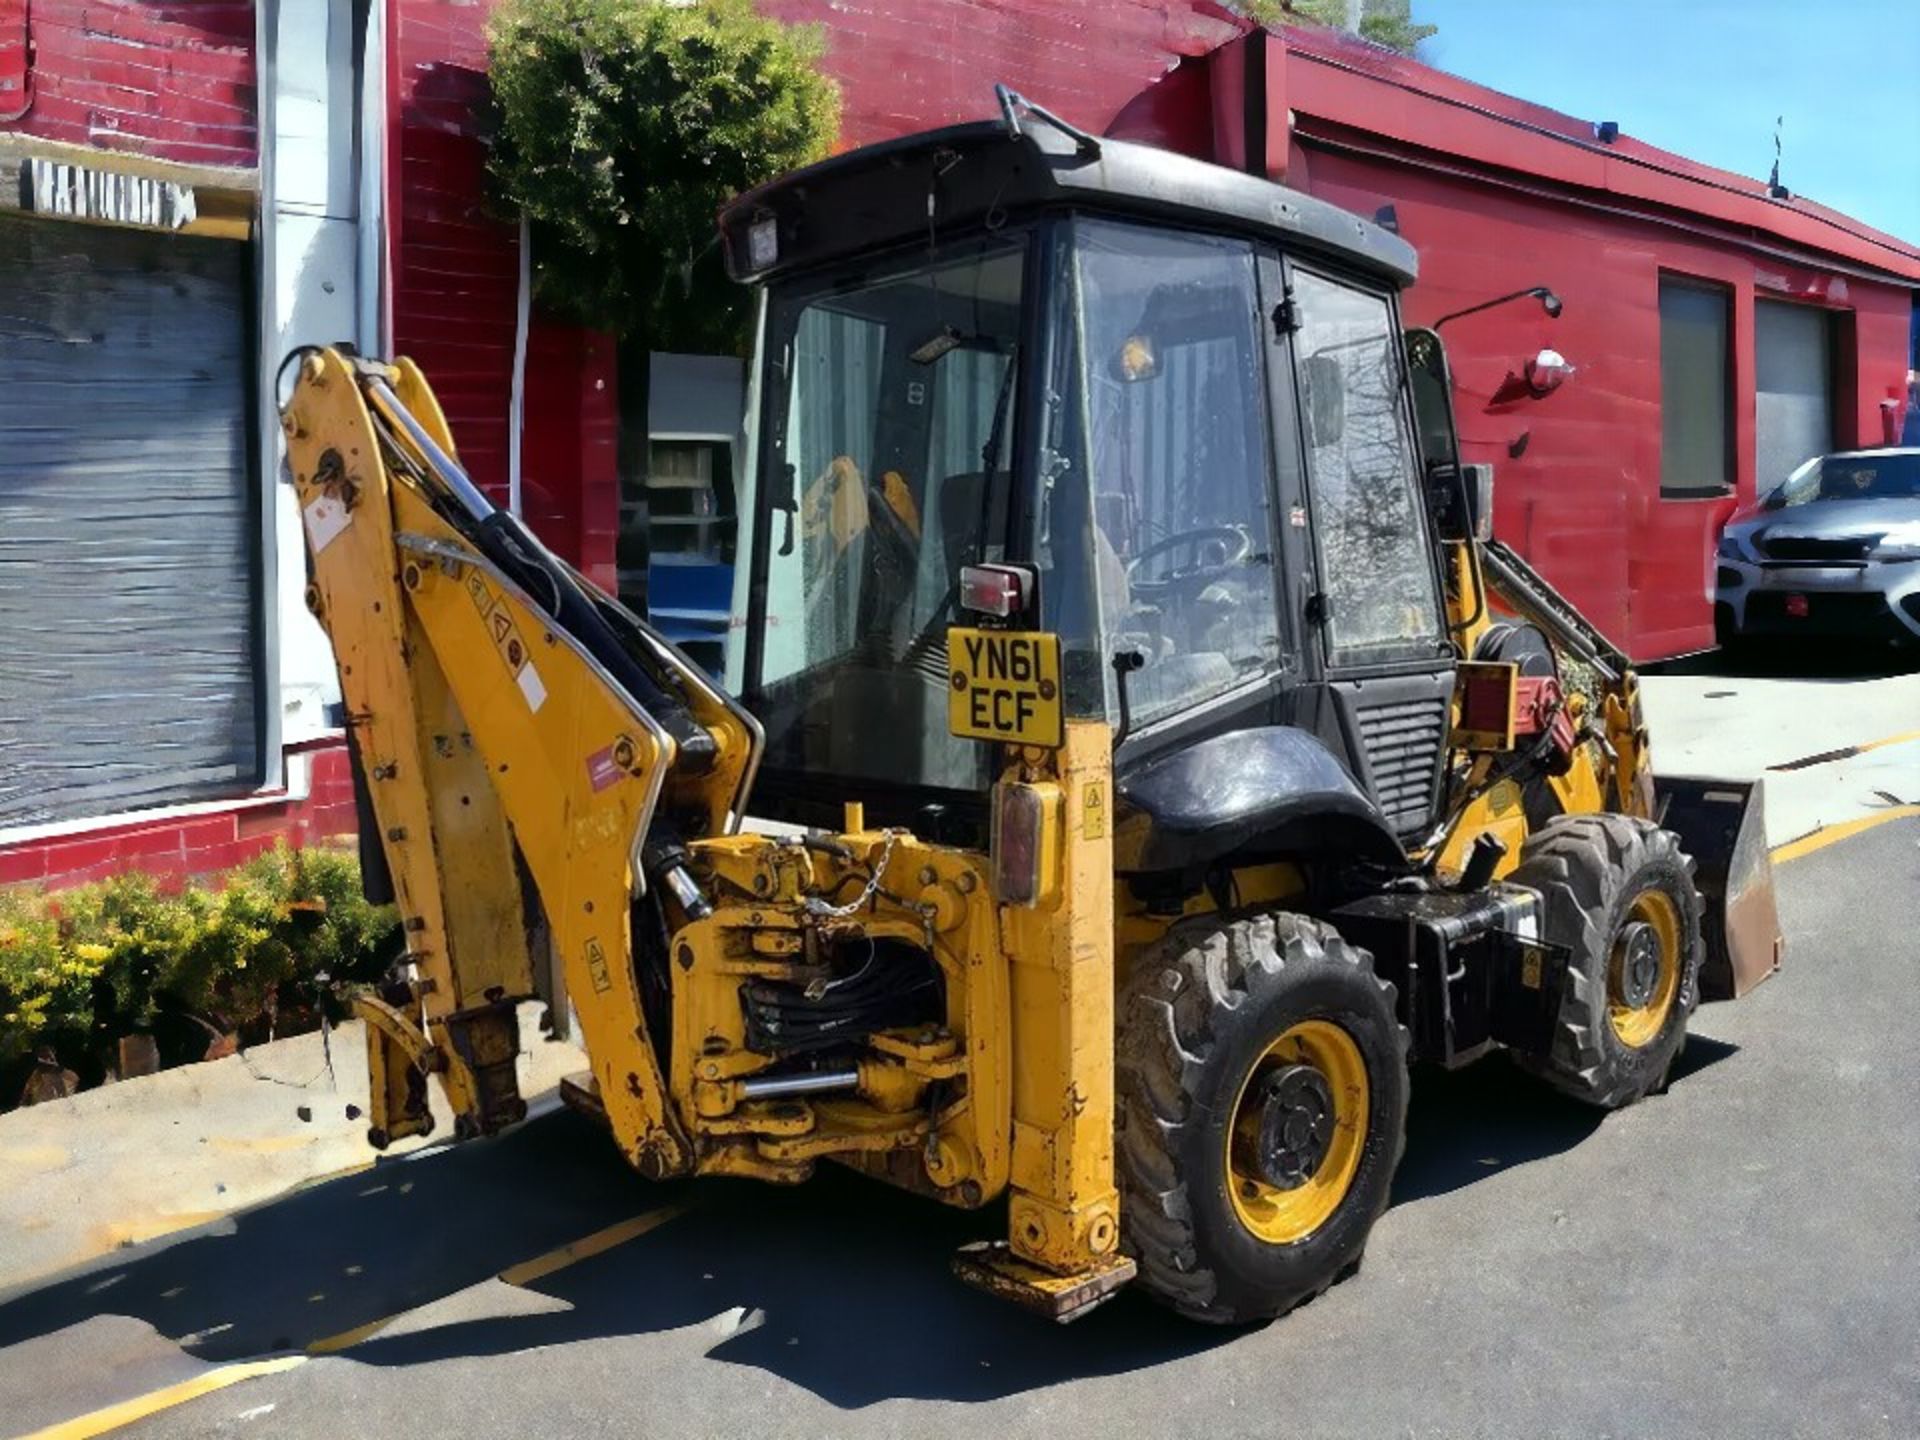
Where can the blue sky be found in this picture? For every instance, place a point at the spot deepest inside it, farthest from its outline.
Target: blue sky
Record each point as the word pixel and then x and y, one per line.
pixel 1706 78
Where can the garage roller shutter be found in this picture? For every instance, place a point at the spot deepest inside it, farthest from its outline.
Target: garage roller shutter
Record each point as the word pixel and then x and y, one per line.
pixel 128 650
pixel 1793 389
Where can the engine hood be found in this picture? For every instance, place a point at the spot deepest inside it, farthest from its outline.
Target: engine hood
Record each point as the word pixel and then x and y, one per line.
pixel 1826 520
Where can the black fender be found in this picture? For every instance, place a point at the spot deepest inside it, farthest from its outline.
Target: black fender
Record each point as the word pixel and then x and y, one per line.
pixel 1275 789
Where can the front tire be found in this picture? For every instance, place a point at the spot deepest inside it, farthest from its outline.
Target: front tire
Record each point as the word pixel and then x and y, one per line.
pixel 1619 894
pixel 1262 1086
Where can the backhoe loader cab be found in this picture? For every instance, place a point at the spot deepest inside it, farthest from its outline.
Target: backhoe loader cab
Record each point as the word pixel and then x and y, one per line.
pixel 1176 757
pixel 1148 406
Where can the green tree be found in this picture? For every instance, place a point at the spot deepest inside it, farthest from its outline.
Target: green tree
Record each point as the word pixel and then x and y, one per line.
pixel 623 125
pixel 1385 22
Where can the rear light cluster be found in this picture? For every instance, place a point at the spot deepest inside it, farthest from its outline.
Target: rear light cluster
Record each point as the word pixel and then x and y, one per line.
pixel 1001 591
pixel 1026 841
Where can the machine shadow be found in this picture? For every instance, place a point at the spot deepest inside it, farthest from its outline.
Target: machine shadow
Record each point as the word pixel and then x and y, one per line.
pixel 347 1251
pixel 1830 662
pixel 1464 1125
pixel 839 1286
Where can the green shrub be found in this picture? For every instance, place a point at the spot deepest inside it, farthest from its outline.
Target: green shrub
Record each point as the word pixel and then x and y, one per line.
pixel 46 985
pixel 624 125
pixel 272 946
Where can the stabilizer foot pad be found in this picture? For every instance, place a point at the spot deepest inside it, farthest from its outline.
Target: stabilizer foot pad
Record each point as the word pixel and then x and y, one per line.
pixel 990 1265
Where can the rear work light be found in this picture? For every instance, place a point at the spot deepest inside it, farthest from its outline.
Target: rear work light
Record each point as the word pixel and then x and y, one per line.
pixel 998 590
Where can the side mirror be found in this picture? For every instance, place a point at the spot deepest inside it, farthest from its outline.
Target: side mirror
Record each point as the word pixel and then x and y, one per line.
pixel 1477 480
pixel 1326 399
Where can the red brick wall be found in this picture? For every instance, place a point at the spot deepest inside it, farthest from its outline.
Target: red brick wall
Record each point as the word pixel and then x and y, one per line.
pixel 908 67
pixel 174 81
pixel 455 287
pixel 457 266
pixel 569 478
pixel 202 845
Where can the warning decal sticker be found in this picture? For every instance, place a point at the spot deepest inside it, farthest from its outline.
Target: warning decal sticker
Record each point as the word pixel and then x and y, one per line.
pixel 597 967
pixel 326 517
pixel 506 639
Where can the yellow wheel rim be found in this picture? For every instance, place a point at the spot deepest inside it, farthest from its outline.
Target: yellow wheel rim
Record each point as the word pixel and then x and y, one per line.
pixel 1643 970
pixel 1298 1128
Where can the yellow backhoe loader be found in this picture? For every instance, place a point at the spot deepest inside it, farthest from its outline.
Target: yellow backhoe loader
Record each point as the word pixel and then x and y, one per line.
pixel 1165 757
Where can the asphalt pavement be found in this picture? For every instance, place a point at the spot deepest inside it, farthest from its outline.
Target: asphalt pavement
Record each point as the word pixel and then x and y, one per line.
pixel 1737 1256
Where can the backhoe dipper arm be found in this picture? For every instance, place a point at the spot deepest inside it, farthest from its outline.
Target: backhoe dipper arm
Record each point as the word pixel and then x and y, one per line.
pixel 499 712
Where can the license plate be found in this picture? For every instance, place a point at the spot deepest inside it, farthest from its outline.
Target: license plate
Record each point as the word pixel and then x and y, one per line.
pixel 1797 606
pixel 1005 685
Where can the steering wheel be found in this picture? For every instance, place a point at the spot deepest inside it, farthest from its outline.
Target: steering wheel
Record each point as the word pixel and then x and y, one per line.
pixel 1218 550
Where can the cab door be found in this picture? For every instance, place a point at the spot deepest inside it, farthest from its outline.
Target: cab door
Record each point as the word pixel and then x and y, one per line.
pixel 1377 665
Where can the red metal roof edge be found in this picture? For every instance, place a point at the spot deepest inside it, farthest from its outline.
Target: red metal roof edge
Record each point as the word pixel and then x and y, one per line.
pixel 1658 176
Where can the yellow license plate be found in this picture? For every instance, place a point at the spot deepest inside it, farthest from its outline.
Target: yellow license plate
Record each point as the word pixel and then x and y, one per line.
pixel 1005 685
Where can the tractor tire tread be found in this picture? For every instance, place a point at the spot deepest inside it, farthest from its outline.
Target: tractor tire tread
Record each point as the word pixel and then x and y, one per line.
pixel 1170 1009
pixel 1581 865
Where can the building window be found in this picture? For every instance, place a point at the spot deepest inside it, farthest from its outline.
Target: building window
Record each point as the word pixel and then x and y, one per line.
pixel 1696 412
pixel 690 499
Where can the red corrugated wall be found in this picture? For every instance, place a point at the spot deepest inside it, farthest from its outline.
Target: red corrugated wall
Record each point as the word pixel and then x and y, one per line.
pixel 173 81
pixel 1497 194
pixel 1583 499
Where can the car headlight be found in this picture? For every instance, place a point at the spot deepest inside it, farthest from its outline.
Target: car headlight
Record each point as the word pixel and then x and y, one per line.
pixel 1902 543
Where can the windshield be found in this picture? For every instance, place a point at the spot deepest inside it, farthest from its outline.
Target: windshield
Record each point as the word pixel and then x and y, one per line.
pixel 887 471
pixel 1160 447
pixel 1849 477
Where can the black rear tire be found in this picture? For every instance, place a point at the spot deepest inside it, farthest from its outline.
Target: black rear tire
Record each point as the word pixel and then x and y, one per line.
pixel 1599 875
pixel 1204 1011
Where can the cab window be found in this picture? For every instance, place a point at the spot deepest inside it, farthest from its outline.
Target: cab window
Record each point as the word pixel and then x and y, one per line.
pixel 1172 365
pixel 1380 597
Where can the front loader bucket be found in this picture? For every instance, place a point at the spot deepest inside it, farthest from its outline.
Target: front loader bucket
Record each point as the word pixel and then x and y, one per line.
pixel 1722 825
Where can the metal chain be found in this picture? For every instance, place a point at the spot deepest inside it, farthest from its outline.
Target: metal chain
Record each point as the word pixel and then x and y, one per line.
pixel 826 910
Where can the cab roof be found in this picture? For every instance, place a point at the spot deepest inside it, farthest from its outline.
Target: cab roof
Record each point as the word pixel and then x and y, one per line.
pixel 980 174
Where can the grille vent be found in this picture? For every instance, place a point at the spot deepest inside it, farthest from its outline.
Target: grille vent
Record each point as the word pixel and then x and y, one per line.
pixel 1402 744
pixel 1814 548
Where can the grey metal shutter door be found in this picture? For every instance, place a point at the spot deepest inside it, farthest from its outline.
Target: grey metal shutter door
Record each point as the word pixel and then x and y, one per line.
pixel 1793 399
pixel 128 650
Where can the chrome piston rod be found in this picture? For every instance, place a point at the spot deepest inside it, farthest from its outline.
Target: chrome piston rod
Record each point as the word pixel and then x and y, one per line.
pixel 766 1087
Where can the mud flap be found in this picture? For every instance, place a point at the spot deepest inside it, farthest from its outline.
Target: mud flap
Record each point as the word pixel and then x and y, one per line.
pixel 1722 825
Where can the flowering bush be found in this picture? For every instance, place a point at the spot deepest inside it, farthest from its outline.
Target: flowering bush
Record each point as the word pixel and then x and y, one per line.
pixel 268 948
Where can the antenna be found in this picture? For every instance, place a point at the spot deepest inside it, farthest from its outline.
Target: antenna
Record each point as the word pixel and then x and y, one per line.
pixel 1774 187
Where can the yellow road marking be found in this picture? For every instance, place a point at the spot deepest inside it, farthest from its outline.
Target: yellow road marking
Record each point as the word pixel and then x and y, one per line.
pixel 1900 739
pixel 122 1233
pixel 1846 752
pixel 261 1144
pixel 527 1271
pixel 347 1338
pixel 112 1417
pixel 1827 835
